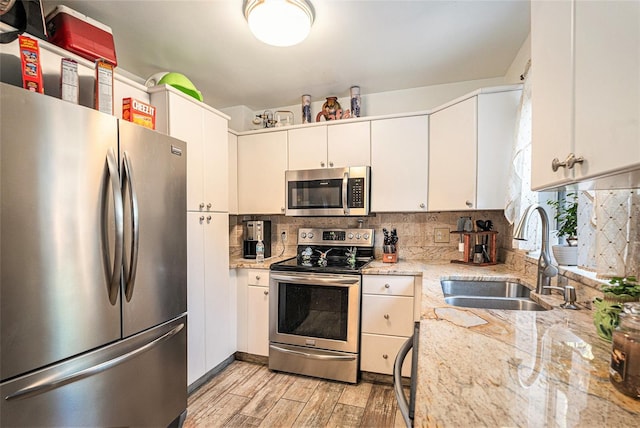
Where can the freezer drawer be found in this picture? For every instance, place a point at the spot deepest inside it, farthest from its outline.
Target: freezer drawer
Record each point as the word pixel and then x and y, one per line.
pixel 140 381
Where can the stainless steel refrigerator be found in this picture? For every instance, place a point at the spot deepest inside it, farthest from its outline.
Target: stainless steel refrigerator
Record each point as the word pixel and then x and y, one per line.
pixel 93 268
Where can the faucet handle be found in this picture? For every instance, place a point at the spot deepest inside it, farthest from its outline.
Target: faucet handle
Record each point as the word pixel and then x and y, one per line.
pixel 569 298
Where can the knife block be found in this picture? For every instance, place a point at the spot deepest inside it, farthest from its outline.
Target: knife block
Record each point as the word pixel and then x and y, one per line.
pixel 390 257
pixel 469 244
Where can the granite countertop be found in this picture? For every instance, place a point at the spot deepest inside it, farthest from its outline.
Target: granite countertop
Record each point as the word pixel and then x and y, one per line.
pixel 480 367
pixel 239 262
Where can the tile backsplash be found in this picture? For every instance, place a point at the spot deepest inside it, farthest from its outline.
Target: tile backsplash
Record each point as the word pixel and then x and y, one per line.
pixel 416 231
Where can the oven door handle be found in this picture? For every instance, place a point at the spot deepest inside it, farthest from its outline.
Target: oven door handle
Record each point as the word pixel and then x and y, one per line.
pixel 315 356
pixel 317 280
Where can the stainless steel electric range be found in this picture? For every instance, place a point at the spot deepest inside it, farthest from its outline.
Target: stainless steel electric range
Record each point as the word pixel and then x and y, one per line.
pixel 314 310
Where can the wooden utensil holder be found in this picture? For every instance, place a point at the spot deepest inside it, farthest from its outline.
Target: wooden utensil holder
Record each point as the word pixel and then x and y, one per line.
pixel 469 245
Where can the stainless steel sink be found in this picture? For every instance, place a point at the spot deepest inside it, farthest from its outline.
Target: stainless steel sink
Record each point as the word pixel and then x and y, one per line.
pixel 507 295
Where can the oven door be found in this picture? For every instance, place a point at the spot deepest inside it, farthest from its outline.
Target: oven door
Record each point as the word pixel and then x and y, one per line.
pixel 315 310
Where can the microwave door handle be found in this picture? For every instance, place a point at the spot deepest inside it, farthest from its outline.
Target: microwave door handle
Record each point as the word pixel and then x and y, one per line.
pixel 345 185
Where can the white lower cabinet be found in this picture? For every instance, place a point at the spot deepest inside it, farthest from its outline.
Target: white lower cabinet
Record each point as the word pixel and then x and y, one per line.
pixel 390 304
pixel 210 338
pixel 253 311
pixel 379 354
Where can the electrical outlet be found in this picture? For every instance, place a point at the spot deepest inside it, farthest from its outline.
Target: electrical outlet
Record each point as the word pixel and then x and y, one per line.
pixel 441 235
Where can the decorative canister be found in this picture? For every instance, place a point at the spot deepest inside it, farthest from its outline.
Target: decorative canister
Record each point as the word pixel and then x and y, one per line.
pixel 306 109
pixel 329 109
pixel 354 91
pixel 624 372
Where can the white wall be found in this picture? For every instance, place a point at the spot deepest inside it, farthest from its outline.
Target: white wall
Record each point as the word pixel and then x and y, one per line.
pixel 392 102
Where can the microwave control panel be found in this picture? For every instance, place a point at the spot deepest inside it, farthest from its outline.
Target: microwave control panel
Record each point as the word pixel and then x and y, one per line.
pixel 356 193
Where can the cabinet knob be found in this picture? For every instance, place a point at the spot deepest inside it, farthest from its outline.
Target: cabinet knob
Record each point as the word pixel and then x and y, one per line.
pixel 385 356
pixel 266 292
pixel 322 164
pixel 201 219
pixel 331 164
pixel 202 205
pixel 422 205
pixel 569 162
pixel 469 204
pixel 209 205
pixel 387 286
pixel 208 219
pixel 386 316
pixel 281 209
pixel 257 277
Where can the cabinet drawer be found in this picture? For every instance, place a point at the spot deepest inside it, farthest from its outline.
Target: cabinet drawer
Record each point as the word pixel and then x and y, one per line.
pixel 258 277
pixel 378 354
pixel 388 285
pixel 391 315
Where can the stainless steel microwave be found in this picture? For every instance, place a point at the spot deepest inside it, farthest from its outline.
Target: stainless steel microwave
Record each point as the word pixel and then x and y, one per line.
pixel 328 191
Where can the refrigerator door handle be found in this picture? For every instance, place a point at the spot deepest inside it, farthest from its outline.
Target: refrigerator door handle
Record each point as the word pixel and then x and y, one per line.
pixel 130 276
pixel 114 177
pixel 58 381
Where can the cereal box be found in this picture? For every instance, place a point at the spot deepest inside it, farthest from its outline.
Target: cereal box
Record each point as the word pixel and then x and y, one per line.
pixel 138 112
pixel 30 58
pixel 104 87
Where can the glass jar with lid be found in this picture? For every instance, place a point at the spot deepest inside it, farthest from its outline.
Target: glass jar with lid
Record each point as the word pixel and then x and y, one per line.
pixel 624 372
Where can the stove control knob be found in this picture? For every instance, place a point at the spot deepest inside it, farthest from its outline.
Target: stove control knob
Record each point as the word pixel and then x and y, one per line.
pixel 350 235
pixel 365 236
pixel 303 235
pixel 310 235
pixel 357 236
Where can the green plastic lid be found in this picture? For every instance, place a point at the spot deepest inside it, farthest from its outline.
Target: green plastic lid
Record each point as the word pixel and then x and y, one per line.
pixel 181 83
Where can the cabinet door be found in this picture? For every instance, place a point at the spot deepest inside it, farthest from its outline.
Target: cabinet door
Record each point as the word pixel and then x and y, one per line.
pixel 258 320
pixel 215 159
pixel 220 337
pixel 233 173
pixel 399 164
pixel 452 157
pixel 196 352
pixel 185 123
pixel 552 93
pixel 378 354
pixel 241 308
pixel 607 86
pixel 308 148
pixel 497 117
pixel 262 160
pixel 349 144
pixel 389 315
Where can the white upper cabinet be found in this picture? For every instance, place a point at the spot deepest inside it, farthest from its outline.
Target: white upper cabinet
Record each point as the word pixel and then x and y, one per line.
pixel 308 148
pixel 470 146
pixel 349 144
pixel 497 121
pixel 205 132
pixel 399 164
pixel 330 146
pixel 233 173
pixel 262 161
pixel 452 157
pixel 585 93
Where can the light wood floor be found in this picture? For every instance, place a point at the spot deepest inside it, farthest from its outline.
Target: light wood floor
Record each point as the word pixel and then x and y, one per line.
pixel 249 395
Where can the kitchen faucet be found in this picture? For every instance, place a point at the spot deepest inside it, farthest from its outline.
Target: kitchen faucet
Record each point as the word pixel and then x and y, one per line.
pixel 546 270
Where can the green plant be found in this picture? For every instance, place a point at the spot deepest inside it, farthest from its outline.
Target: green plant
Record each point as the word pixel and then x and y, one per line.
pixel 623 287
pixel 606 317
pixel 566 216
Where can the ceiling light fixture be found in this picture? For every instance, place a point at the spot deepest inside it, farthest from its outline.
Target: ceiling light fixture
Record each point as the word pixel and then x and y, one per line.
pixel 279 22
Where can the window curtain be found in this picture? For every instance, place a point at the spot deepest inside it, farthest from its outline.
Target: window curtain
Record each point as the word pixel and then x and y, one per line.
pixel 519 193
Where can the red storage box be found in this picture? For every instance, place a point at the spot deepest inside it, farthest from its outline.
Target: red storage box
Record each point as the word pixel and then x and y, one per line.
pixel 81 35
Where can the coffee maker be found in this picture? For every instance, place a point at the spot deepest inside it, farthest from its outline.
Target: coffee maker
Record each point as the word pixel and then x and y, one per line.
pixel 254 229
